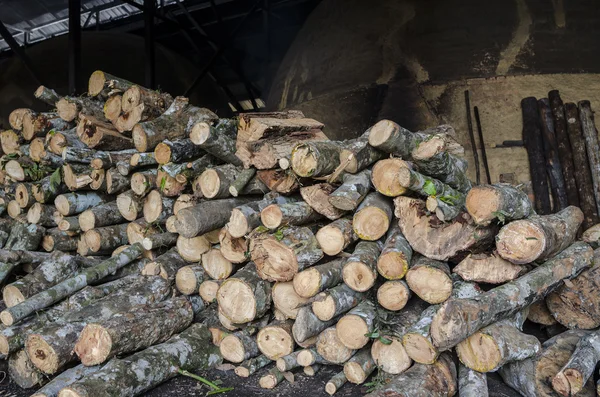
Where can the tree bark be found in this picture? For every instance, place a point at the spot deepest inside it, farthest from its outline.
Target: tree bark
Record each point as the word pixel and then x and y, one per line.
pixel 252 365
pixel 160 240
pixel 39 124
pixel 102 83
pixel 313 280
pixel 69 108
pixel 431 187
pixel 359 367
pixel 450 324
pixel 538 237
pixel 240 182
pixel 75 203
pixel 534 143
pixel 166 265
pixel 60 140
pixel 583 176
pixel 314 159
pixel 335 383
pixel 57 240
pixel 193 221
pixel 271 379
pixel 106 214
pixel 590 134
pixel 190 350
pixel 297 213
pixel 69 224
pixel 47 190
pixel 245 296
pixel 360 269
pixel 215 182
pixel 69 286
pixel 42 214
pixel 353 190
pixel 46 95
pixel 280 256
pixel 26 237
pixel 336 236
pixel 430 280
pixel 307 325
pixel 176 151
pixel 335 302
pixel 246 217
pixel 289 362
pixel 471 383
pixel 65 379
pixel 218 139
pixel 486 203
pixel 373 217
pixel 106 239
pixel 489 269
pixel 106 160
pixel 532 377
pixel 553 166
pixel 22 371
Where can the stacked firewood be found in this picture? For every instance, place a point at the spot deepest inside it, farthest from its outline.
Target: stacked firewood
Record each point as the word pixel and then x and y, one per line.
pixel 145 236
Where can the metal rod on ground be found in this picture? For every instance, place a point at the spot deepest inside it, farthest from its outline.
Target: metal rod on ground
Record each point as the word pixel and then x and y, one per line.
pixel 483 152
pixel 472 137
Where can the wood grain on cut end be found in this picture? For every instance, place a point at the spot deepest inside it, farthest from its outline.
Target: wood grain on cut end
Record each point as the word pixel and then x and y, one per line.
pixel 393 295
pixel 236 298
pixel 521 242
pixel 392 357
pixel 386 177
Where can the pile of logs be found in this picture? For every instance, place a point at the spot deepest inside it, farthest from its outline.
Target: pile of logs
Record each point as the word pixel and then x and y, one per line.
pixel 145 236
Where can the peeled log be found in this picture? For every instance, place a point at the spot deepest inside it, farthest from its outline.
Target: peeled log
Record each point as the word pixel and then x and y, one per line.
pixel 498 344
pixel 373 217
pixel 315 279
pixel 317 196
pixel 489 269
pixel 360 269
pixel 336 236
pixel 533 377
pixel 439 241
pixel 137 329
pixel 280 257
pixel 538 237
pixel 190 350
pixel 502 201
pixel 573 376
pixel 353 190
pixel 193 221
pixel 245 296
pixel 457 319
pixel 395 256
pixel 574 304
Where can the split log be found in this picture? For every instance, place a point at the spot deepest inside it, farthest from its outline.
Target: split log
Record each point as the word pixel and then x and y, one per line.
pixel 534 143
pixel 174 123
pixel 193 221
pixel 553 166
pixel 218 139
pixel 317 196
pixel 250 366
pixel 157 208
pixel 39 124
pixel 431 159
pixel 166 265
pixel 353 327
pixel 335 383
pixel 233 249
pixel 286 300
pixel 313 280
pixel 583 176
pixel 489 269
pixel 288 362
pixel 564 147
pixel 439 241
pixel 271 379
pixel 57 268
pixel 395 256
pixel 102 215
pixel 101 83
pixel 538 237
pixel 574 375
pixel 106 239
pixel 471 383
pixel 572 305
pixel 42 214
pixel 498 344
pixel 65 379
pixel 385 174
pixel 590 134
pixel 245 296
pixel 75 203
pixel 352 191
pixel 281 181
pixel 457 319
pixel 100 135
pixel 239 346
pixel 532 377
pixel 276 340
pixel 69 108
pixel 486 203
pixel 282 255
pixel 69 286
pixel 192 249
pixel 393 295
pixel 331 349
pixel 190 350
pixel 335 302
pixel 360 269
pixel 336 236
pixel 176 151
pixel 307 325
pixel 130 205
pixel 430 280
pixel 389 137
pixel 359 367
pixel 268 125
pixel 51 346
pixel 135 330
pixel 26 237
pixel 23 372
pixel 297 213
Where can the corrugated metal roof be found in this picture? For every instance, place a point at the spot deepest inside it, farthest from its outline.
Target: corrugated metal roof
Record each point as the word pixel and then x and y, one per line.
pixel 31 21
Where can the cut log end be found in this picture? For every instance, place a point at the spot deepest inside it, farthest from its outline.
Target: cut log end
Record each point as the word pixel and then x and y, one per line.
pixel 96 83
pixel 210 183
pixel 232 349
pixel 561 385
pixel 41 354
pixel 431 284
pixel 162 153
pixel 208 290
pixel 153 206
pixel 271 216
pixel 420 348
pixel 393 295
pixel 12 296
pixel 392 265
pixel 483 204
pixel 304 162
pixel 94 345
pixel 358 276
pixel 236 298
pixel 355 373
pixel 186 281
pixel 370 223
pixel 275 342
pixel 479 352
pixel 521 242
pixel 324 309
pixel 331 240
pixel 331 348
pixel 386 177
pixel 200 133
pixel 381 132
pixel 392 357
pixel 351 330
pixel 140 140
pixel 238 224
pixel 307 283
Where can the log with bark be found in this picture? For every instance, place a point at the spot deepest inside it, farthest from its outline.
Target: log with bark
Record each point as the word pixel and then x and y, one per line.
pixel 192 249
pixel 217 139
pixel 489 269
pixel 384 176
pixel 354 328
pixel 313 280
pixel 102 215
pixel 360 269
pixel 373 217
pixel 358 368
pixel 297 213
pixel 430 279
pixel 353 190
pixel 336 236
pixel 335 302
pixel 252 365
pixel 39 124
pixel 192 221
pixel 471 383
pixel 102 83
pixel 330 349
pixel 590 134
pixel 335 383
pixel 23 372
pixel 486 203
